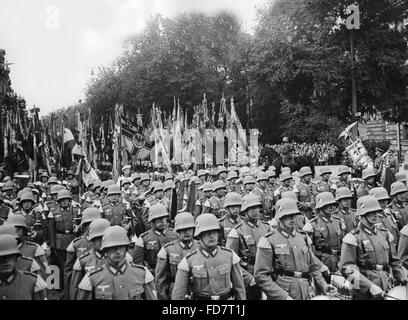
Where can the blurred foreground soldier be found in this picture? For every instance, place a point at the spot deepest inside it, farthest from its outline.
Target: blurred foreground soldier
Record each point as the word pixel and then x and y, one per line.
pixel 368 259
pixel 91 260
pixel 210 272
pixel 16 284
pixel 5 210
pixel 79 246
pixel 398 209
pixel 285 266
pixel 118 279
pixel 148 245
pixel 172 253
pixel 231 219
pixel 305 192
pixel 385 218
pixel 326 231
pixel 369 182
pixel 344 211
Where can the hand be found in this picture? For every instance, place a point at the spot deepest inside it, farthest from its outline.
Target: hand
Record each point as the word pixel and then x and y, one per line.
pixel 289 298
pixel 376 291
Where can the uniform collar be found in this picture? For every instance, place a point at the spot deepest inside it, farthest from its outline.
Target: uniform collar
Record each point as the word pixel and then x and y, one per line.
pixel 186 246
pixel 284 233
pixel 233 221
pixel 157 232
pixel 115 271
pixel 9 279
pixel 325 219
pixel 252 225
pixel 98 254
pixel 399 206
pixel 345 212
pixel 208 254
pixel 366 229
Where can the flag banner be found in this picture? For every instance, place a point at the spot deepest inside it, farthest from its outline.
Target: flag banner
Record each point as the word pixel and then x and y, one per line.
pixel 88 173
pixel 135 141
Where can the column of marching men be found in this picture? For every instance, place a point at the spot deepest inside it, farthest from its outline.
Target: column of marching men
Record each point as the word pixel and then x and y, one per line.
pixel 250 235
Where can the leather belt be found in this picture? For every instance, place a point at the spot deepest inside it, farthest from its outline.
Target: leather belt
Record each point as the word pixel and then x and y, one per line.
pixel 294 274
pixel 376 267
pixel 329 251
pixel 215 297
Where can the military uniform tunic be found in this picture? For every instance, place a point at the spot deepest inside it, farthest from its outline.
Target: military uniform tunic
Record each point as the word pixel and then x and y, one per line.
pixel 305 194
pixel 400 213
pixel 348 217
pixel 23 285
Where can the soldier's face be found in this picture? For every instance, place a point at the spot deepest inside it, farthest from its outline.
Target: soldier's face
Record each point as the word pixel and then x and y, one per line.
pixel 383 204
pixel 136 182
pixel 65 203
pixel 116 255
pixel 114 198
pixel 126 186
pixel 220 192
pixel 289 221
pixel 159 194
pixel 97 243
pixel 44 179
pixel 329 209
pixel 249 187
pixel 9 193
pixel 186 235
pixel 233 180
pixel 287 182
pixel 223 175
pixel 345 203
pixel 27 206
pixel 208 194
pixel 160 223
pixel 126 172
pixel 167 193
pixel 307 178
pixel 210 238
pixel 146 183
pixel 20 232
pixel 344 176
pixel 262 183
pixel 253 214
pixel 234 211
pixel 272 180
pixel 371 217
pixel 7 264
pixel 70 176
pixel 370 180
pixel 326 176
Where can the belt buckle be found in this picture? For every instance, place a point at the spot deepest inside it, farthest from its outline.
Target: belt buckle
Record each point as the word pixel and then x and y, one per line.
pixel 379 267
pixel 215 297
pixel 297 274
pixel 67 231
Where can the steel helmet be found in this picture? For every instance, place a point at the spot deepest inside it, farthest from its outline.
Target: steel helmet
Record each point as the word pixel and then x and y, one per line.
pixel 195 179
pixel 64 194
pixel 126 181
pixel 126 167
pixel 168 184
pixel 157 186
pixel 286 169
pixel 250 201
pixel 231 175
pixel 285 176
pixel 232 199
pixel 367 173
pixel 367 204
pixel 157 211
pixel 379 193
pixel 168 176
pixel 184 220
pixel 97 184
pixel 8 245
pixel 135 176
pixel 401 177
pixel 289 195
pixel 201 173
pixel 109 183
pixel 324 199
pixel 397 187
pixel 305 171
pixel 97 228
pixel 19 194
pixel 17 220
pixel 244 171
pixel 53 180
pixel 179 177
pixel 222 169
pixel 272 168
pixel 262 176
pixel 208 186
pixel 9 185
pixel 249 180
pixel 114 236
pixel 271 173
pixel 144 177
pixel 206 222
pixel 90 214
pixel 343 193
pixel 70 172
pixel 219 184
pixel 9 229
pixel 344 169
pixel 56 188
pixel 45 174
pixel 286 207
pixel 113 189
pixel 325 170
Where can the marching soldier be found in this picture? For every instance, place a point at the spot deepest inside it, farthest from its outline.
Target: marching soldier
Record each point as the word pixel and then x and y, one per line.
pixel 144 183
pixel 286 180
pixel 149 243
pixel 325 184
pixel 367 256
pixel 305 192
pixel 126 175
pixel 135 183
pixel 210 272
pixel 117 279
pixel 285 266
pixel 88 197
pixel 398 209
pixel 73 185
pixel 249 185
pixel 216 202
pixel 16 284
pixel 171 254
pixel 300 219
pixel 139 224
pixel 208 193
pixel 385 217
pixel 272 183
pixel 231 219
pixel 345 212
pixel 222 174
pixel 231 181
pixel 126 191
pixel 158 196
pixel 8 190
pixel 5 210
pixel 92 259
pixel 326 231
pixel 116 211
pixel 63 226
pixel 369 182
pixel 266 196
pixel 344 175
pixel 79 246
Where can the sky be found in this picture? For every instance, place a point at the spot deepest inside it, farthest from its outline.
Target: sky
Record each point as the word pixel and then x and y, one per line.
pixel 55 44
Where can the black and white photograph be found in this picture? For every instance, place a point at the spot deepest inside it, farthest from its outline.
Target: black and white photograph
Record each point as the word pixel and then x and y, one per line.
pixel 205 155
